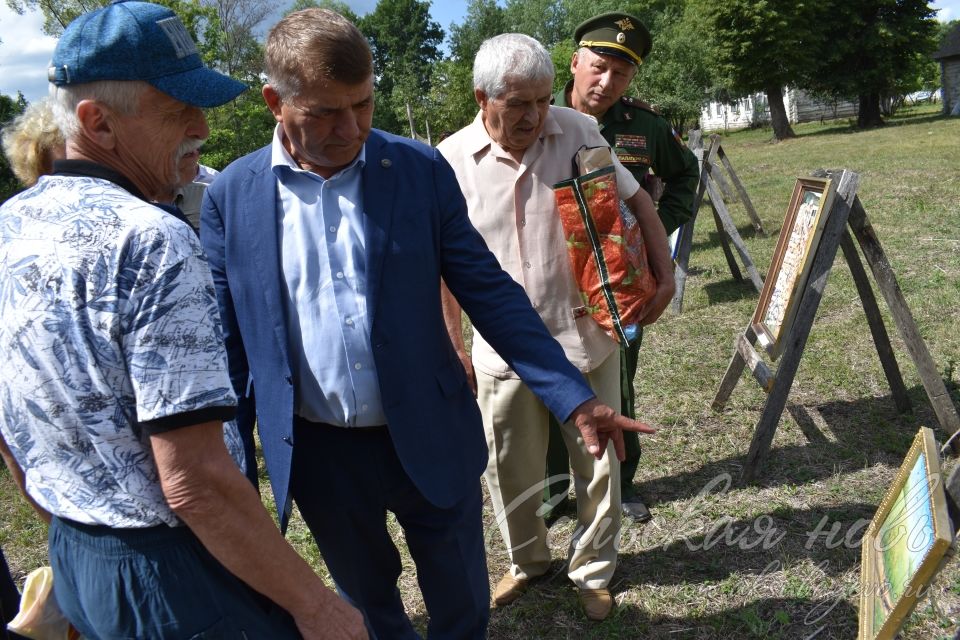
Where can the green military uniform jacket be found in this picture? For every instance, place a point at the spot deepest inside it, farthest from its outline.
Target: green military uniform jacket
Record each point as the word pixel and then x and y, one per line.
pixel 643 139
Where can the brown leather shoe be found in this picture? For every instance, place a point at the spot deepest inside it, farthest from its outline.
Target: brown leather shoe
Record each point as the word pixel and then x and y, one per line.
pixel 597 603
pixel 509 589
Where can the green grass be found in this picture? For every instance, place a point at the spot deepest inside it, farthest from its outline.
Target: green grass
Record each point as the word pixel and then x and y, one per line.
pixel 746 561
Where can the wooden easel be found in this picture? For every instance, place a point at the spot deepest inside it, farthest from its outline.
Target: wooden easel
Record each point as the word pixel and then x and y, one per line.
pixel 846 210
pixel 713 184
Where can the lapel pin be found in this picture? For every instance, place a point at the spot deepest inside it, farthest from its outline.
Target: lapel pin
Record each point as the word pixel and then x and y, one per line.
pixel 386 163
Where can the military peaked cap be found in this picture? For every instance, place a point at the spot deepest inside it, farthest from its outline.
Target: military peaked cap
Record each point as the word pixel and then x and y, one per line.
pixel 615 34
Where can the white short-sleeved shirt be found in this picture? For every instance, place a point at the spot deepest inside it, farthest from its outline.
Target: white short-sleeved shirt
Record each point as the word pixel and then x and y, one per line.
pixel 513 206
pixel 109 330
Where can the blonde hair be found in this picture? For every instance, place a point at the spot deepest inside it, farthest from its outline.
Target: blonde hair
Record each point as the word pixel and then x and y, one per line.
pixel 315 45
pixel 31 140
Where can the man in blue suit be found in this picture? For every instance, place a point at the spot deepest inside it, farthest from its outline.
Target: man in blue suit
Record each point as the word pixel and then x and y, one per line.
pixel 327 248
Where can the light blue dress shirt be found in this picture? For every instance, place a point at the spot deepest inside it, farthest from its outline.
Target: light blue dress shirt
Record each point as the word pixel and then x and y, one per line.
pixel 324 270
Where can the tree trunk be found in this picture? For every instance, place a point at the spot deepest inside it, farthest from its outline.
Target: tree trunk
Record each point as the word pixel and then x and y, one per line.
pixel 778 115
pixel 869 113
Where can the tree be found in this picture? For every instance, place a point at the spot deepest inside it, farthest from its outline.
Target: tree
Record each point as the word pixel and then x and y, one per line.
pixel 545 20
pixel 484 19
pixel 450 105
pixel 57 14
pixel 675 77
pixel 405 43
pixel 10 108
pixel 764 46
pixel 224 33
pixel 239 54
pixel 878 53
pixel 334 5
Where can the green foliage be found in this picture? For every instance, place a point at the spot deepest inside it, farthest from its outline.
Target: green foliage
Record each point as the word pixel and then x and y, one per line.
pixel 763 47
pixel 237 128
pixel 405 43
pixel 545 20
pixel 57 14
pixel 334 5
pixel 450 105
pixel 879 50
pixel 762 44
pixel 484 19
pixel 10 108
pixel 674 77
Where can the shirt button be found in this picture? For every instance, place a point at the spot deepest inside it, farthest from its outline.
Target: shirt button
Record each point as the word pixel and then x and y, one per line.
pixel 523 222
pixel 339 275
pixel 526 264
pixel 349 322
pixel 357 366
pixel 364 407
pixel 333 229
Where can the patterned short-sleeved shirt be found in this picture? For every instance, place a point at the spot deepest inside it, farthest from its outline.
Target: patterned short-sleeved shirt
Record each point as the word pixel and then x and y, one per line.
pixel 108 325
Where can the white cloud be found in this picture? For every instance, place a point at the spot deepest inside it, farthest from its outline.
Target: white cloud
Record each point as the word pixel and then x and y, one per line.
pixel 24 54
pixel 947 9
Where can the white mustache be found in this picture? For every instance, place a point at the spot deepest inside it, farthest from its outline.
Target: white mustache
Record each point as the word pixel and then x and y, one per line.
pixel 189 146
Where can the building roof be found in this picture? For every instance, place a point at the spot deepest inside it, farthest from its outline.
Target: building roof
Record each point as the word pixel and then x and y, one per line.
pixel 951 45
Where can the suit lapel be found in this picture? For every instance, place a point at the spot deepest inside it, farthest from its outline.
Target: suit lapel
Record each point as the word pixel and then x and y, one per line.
pixel 379 178
pixel 260 212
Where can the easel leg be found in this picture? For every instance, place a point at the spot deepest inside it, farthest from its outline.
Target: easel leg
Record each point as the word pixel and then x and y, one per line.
pixel 734 371
pixel 728 233
pixel 932 382
pixel 680 271
pixel 880 337
pixel 725 244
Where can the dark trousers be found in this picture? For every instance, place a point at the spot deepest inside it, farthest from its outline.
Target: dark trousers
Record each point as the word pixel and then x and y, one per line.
pixel 9 599
pixel 344 480
pixel 158 583
pixel 558 462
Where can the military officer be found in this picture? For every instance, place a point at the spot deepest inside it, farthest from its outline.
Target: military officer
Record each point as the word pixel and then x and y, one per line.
pixel 610 49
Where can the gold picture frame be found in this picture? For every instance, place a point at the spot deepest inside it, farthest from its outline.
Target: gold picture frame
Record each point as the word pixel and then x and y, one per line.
pixel 792 259
pixel 906 542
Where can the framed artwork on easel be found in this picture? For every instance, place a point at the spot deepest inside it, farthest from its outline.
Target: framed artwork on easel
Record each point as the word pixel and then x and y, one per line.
pixel 792 259
pixel 906 542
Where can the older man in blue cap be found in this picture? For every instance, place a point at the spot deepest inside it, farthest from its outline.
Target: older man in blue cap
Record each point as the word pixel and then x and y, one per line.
pixel 114 389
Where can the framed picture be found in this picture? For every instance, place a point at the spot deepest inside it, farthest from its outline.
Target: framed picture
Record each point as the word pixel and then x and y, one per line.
pixel 792 259
pixel 906 542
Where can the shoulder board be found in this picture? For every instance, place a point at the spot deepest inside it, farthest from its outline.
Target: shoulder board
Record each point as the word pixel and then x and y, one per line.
pixel 639 104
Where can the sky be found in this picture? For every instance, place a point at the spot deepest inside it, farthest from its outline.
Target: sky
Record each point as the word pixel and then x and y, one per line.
pixel 25 52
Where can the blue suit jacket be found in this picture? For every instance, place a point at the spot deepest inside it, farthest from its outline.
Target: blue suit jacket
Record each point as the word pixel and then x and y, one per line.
pixel 417 231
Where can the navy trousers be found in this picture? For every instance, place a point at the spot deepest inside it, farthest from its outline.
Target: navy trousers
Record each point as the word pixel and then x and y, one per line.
pixel 344 480
pixel 158 583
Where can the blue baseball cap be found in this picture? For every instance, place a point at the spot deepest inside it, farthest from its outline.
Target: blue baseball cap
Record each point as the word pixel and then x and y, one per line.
pixel 129 40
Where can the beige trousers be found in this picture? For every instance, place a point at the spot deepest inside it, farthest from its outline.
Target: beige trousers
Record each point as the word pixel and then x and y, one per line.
pixel 516 425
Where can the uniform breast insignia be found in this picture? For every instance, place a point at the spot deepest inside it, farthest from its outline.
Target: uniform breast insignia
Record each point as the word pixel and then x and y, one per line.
pixel 630 141
pixel 630 158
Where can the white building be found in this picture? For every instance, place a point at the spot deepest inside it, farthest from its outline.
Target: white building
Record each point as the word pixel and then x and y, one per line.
pixel 753 110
